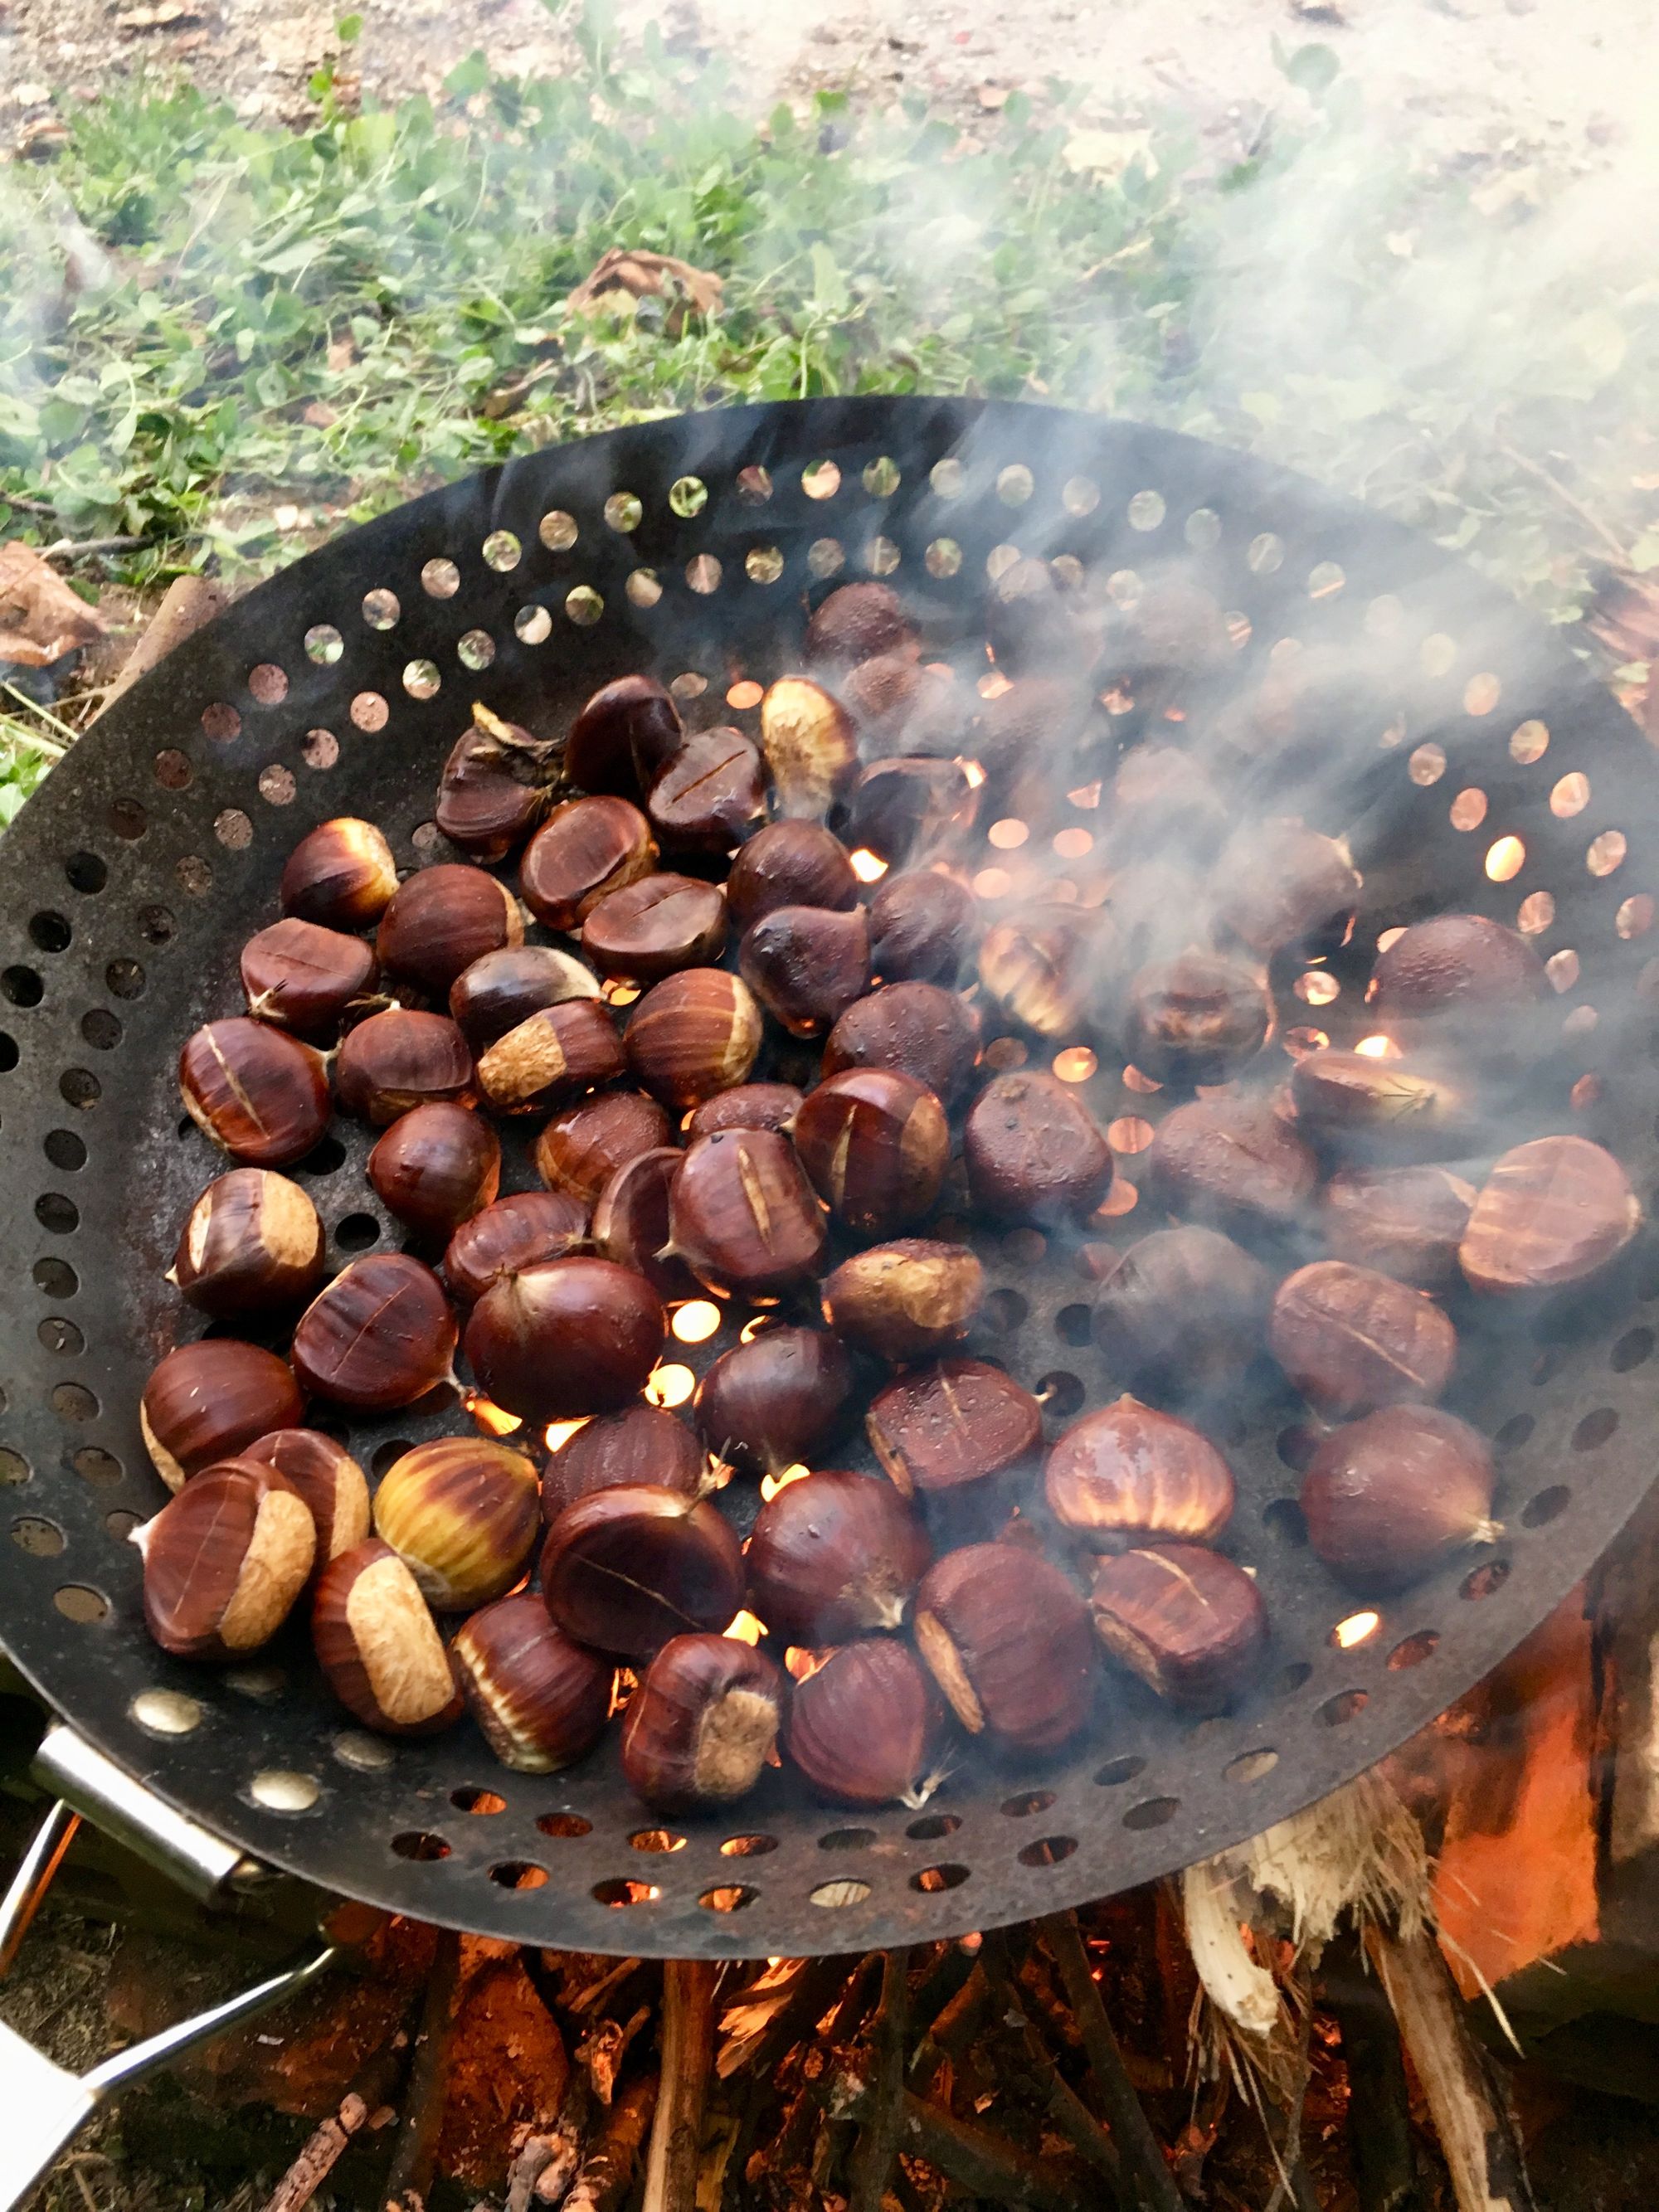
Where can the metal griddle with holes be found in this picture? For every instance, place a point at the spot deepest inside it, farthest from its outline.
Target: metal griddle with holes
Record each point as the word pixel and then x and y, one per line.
pixel 692 548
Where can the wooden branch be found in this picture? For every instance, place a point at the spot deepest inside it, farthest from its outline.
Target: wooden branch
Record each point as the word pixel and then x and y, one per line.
pixel 986 2164
pixel 688 2055
pixel 548 2161
pixel 415 2153
pixel 1144 2162
pixel 941 1981
pixel 1379 2103
pixel 375 2082
pixel 948 2039
pixel 1061 2103
pixel 878 2139
pixel 189 603
pixel 608 2170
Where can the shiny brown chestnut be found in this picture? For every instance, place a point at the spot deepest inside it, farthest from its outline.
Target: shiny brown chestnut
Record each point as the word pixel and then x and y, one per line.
pixel 1355 1102
pixel 876 1146
pixel 806 964
pixel 1406 1222
pixel 440 921
pixel 1129 1474
pixel 513 1234
pixel 632 1225
pixel 1552 1213
pixel 780 1400
pixel 1006 1638
pixel 552 1055
pixel 580 1149
pixel 652 928
pixel 693 1035
pixel 916 1029
pixel 378 1646
pixel 708 793
pixel 258 1093
pixel 833 1556
pixel 747 1106
pixel 1351 1339
pixel 585 850
pixel 790 864
pixel 642 1443
pixel 225 1560
pixel 1189 1623
pixel 435 1166
pixel 911 808
pixel 856 621
pixel 303 977
pixel 397 1060
pixel 810 747
pixel 252 1244
pixel 951 1425
pixel 905 1299
pixel 623 736
pixel 742 1215
pixel 1286 885
pixel 1460 979
pixel 625 1570
pixel 540 1700
pixel 341 875
pixel 461 1513
pixel 1234 1162
pixel 377 1337
pixel 1042 965
pixel 495 784
pixel 1389 1497
pixel 702 1724
pixel 923 925
pixel 1181 1317
pixel 567 1338
pixel 206 1401
pixel 504 988
pixel 1033 1152
pixel 328 1479
pixel 1196 1018
pixel 868 1727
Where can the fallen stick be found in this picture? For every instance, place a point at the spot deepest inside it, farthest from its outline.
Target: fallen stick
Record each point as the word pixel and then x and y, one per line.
pixel 951 2035
pixel 608 2170
pixel 1144 2162
pixel 415 2153
pixel 327 2144
pixel 877 2148
pixel 688 2056
pixel 984 2164
pixel 1379 2106
pixel 1061 2103
pixel 188 605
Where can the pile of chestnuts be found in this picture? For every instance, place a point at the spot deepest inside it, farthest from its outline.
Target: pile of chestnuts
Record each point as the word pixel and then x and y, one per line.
pixel 759 1045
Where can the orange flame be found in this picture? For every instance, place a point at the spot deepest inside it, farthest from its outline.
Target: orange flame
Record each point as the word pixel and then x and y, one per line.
pixel 744 1628
pixel 1378 1048
pixel 869 867
pixel 801 1663
pixel 771 1484
pixel 492 1419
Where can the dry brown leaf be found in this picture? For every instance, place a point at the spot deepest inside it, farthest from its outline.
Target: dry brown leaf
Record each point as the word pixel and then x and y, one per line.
pixel 637 274
pixel 41 619
pixel 1624 613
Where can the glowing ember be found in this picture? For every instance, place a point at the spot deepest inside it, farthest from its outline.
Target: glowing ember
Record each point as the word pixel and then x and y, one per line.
pixel 1072 844
pixel 869 867
pixel 623 1684
pixel 802 1664
pixel 993 684
pixel 992 883
pixel 1135 1080
pixel 696 1320
pixel 748 693
pixel 560 1432
pixel 621 994
pixel 491 1419
pixel 1076 1064
pixel 1317 989
pixel 1355 1629
pixel 670 1385
pixel 1086 795
pixel 1008 834
pixel 973 773
pixel 744 1628
pixel 771 1484
pixel 1378 1048
pixel 752 1328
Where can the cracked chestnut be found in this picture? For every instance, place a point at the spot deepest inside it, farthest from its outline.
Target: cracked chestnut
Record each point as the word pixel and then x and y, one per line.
pixel 911 808
pixel 1552 1213
pixel 303 977
pixel 504 988
pixel 856 621
pixel 905 1299
pixel 1389 1497
pixel 435 1167
pixel 747 1106
pixel 341 875
pixel 950 1425
pixel 585 850
pixel 806 964
pixel 206 1401
pixel 642 1443
pixel 876 1146
pixel 1189 1623
pixel 1353 1103
pixel 702 1724
pixel 225 1560
pixel 1042 965
pixel 708 793
pixel 495 784
pixel 1006 1638
pixel 868 1727
pixel 1461 979
pixel 1033 1152
pixel 1351 1339
pixel 923 925
pixel 377 1337
pixel 833 1556
pixel 652 928
pixel 623 736
pixel 1182 1317
pixel 378 1646
pixel 916 1029
pixel 631 1222
pixel 693 1035
pixel 461 1513
pixel 777 1400
pixel 625 1570
pixel 552 1055
pixel 568 1337
pixel 256 1092
pixel 440 921
pixel 1406 1222
pixel 742 1215
pixel 1233 1163
pixel 790 864
pixel 540 1700
pixel 1129 1474
pixel 328 1479
pixel 1196 1019
pixel 513 1234
pixel 252 1244
pixel 399 1059
pixel 1286 885
pixel 810 747
pixel 579 1150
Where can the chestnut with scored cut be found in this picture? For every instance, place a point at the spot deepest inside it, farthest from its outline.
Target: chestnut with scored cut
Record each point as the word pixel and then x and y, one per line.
pixel 495 784
pixel 956 1423
pixel 1033 1151
pixel 806 964
pixel 626 1570
pixel 567 1338
pixel 225 1560
pixel 461 1513
pixel 911 808
pixel 693 1035
pixel 652 927
pixel 552 1056
pixel 780 1400
pixel 399 1059
pixel 435 1166
pixel 1006 1638
pixel 857 621
pixel 1461 979
pixel 1181 1317
pixel 811 746
pixel 748 1106
pixel 868 1727
pixel 1354 1102
pixel 206 1401
pixel 252 1244
pixel 707 792
pixel 742 1215
pixel 254 1090
pixel 1189 1623
pixel 1233 1163
pixel 540 1700
pixel 623 736
pixel 833 1556
pixel 1286 885
pixel 631 1222
pixel 1196 1018
pixel 585 850
pixel 340 875
pixel 790 864
pixel 1041 966
pixel 1389 1497
pixel 915 1029
pixel 304 977
pixel 377 1337
pixel 702 1724
pixel 1351 1339
pixel 328 1479
pixel 378 1646
pixel 1550 1214
pixel 876 1146
pixel 923 925
pixel 579 1150
pixel 440 921
pixel 1406 1222
pixel 1129 1474
pixel 504 988
pixel 642 1443
pixel 905 1299
pixel 513 1234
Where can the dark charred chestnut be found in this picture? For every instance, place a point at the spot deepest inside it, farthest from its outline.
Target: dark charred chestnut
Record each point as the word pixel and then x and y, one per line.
pixel 1232 1162
pixel 585 849
pixel 552 1056
pixel 1190 1623
pixel 1460 980
pixel 504 988
pixel 693 1035
pixel 435 1167
pixel 790 864
pixel 1129 1474
pixel 922 928
pixel 653 927
pixel 956 1423
pixel 303 977
pixel 916 1029
pixel 328 1479
pixel 580 1149
pixel 494 787
pixel 1389 1497
pixel 876 1146
pixel 623 736
pixel 206 1401
pixel 631 1222
pixel 642 1443
pixel 513 1234
pixel 910 809
pixel 566 1338
pixel 1006 1638
pixel 1032 624
pixel 1354 1102
pixel 1182 1317
pixel 252 1244
pixel 461 1513
pixel 833 1556
pixel 625 1570
pixel 708 793
pixel 225 1560
pixel 1042 965
pixel 1286 885
pixel 742 1215
pixel 702 1724
pixel 868 1727
pixel 258 1093
pixel 1351 1340
pixel 810 747
pixel 806 964
pixel 749 1106
pixel 1550 1214
pixel 776 1401
pixel 1405 1222
pixel 341 874
pixel 397 1060
pixel 377 1337
pixel 1033 721
pixel 856 621
pixel 906 706
pixel 1033 1151
pixel 540 1700
pixel 906 1299
pixel 442 919
pixel 378 1645
pixel 1196 1019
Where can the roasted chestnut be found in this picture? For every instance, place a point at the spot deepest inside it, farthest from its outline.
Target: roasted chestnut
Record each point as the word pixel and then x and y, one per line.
pixel 461 1513
pixel 224 1561
pixel 206 1401
pixel 867 1727
pixel 252 1244
pixel 876 1146
pixel 642 1443
pixel 748 1106
pixel 397 1060
pixel 1351 1339
pixel 1127 1474
pixel 631 1222
pixel 1354 1102
pixel 1033 1151
pixel 954 1424
pixel 810 747
pixel 833 1556
pixel 707 792
pixel 540 1700
pixel 1172 634
pixel 806 964
pixel 916 1029
pixel 552 1056
pixel 856 621
pixel 504 988
pixel 580 1149
pixel 1006 1638
pixel 652 927
pixel 1042 965
pixel 494 787
pixel 742 1215
pixel 303 977
pixel 906 706
pixel 435 1166
pixel 443 918
pixel 566 1338
pixel 259 1094
pixel 1406 1222
pixel 1196 1018
pixel 1181 1317
pixel 515 1233
pixel 1163 801
pixel 911 808
pixel 1232 1162
pixel 1034 720
pixel 1286 885
pixel 1460 979
pixel 692 1034
pixel 905 1299
pixel 1190 1623
pixel 775 1401
pixel 585 850
pixel 702 1724
pixel 1389 1497
pixel 1031 622
pixel 922 928
pixel 378 1645
pixel 340 874
pixel 625 1570
pixel 790 864
pixel 377 1337
pixel 1550 1214
pixel 328 1479
pixel 623 736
